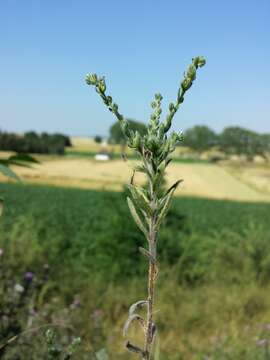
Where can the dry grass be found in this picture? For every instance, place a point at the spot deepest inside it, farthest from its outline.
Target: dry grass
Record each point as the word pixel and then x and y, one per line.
pixel 254 175
pixel 204 180
pixel 84 144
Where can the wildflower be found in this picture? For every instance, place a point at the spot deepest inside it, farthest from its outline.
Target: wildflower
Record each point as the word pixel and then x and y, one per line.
pixel 1 252
pixel 28 276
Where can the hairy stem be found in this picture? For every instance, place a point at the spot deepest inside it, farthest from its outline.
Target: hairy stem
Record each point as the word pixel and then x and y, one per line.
pixel 151 290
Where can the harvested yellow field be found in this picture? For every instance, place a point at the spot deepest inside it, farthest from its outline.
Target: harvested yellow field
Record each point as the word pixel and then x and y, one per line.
pixel 84 144
pixel 204 180
pixel 255 176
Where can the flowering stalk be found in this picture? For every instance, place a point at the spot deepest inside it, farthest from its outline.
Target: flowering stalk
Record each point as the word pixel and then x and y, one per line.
pixel 149 206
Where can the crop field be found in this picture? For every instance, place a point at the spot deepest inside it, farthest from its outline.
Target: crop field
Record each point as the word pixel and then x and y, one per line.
pixel 200 179
pixel 213 282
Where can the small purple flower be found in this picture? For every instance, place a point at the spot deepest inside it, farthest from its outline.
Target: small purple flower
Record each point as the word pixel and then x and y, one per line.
pixel 28 276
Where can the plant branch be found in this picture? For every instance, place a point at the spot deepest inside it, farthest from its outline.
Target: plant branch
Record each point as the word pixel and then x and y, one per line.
pixel 150 206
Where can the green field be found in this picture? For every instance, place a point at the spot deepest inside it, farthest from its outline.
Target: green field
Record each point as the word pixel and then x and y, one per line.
pixel 214 270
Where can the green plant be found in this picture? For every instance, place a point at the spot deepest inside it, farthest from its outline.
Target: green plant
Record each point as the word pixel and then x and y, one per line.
pixel 56 351
pixel 149 206
pixel 17 160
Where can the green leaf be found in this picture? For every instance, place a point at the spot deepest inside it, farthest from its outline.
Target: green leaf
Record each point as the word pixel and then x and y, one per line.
pixel 136 306
pixel 140 199
pixel 5 170
pixel 136 217
pixel 135 349
pixel 147 254
pixel 23 158
pixel 165 203
pixel 174 186
pixel 130 320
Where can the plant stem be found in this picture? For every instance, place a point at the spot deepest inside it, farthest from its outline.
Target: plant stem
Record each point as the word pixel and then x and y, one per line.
pixel 151 289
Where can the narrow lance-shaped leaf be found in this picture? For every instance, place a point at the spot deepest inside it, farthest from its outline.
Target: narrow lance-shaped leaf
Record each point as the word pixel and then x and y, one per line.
pixel 140 199
pixel 134 348
pixel 147 254
pixel 136 217
pixel 5 170
pixel 137 305
pixel 23 158
pixel 166 203
pixel 174 186
pixel 130 320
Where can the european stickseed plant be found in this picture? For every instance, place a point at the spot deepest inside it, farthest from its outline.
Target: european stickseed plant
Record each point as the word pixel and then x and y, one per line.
pixel 150 205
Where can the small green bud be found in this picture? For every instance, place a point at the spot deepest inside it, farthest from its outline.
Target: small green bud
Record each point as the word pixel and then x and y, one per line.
pixel 153 117
pixel 136 142
pixel 167 124
pixel 191 72
pixel 161 131
pixel 180 136
pixel 102 85
pixel 199 61
pixel 91 79
pixel 153 104
pixel 171 107
pixel 114 107
pixel 109 100
pixel 158 97
pixel 186 84
pixel 152 143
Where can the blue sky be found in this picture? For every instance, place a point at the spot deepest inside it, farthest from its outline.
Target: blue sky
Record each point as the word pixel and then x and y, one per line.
pixel 143 46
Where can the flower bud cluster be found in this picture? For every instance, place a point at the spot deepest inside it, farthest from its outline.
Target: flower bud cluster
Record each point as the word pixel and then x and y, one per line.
pixel 100 86
pixel 156 144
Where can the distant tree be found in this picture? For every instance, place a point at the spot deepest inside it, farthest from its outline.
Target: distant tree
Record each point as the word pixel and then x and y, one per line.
pixel 265 138
pixel 32 142
pixel 241 141
pixel 98 139
pixel 116 133
pixel 200 138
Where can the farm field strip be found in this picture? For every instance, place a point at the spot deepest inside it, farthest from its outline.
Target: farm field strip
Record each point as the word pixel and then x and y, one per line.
pixel 202 180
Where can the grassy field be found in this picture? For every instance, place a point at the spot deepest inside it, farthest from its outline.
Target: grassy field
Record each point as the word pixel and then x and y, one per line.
pixel 213 286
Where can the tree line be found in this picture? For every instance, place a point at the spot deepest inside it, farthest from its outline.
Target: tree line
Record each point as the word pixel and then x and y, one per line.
pixel 31 142
pixel 232 140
